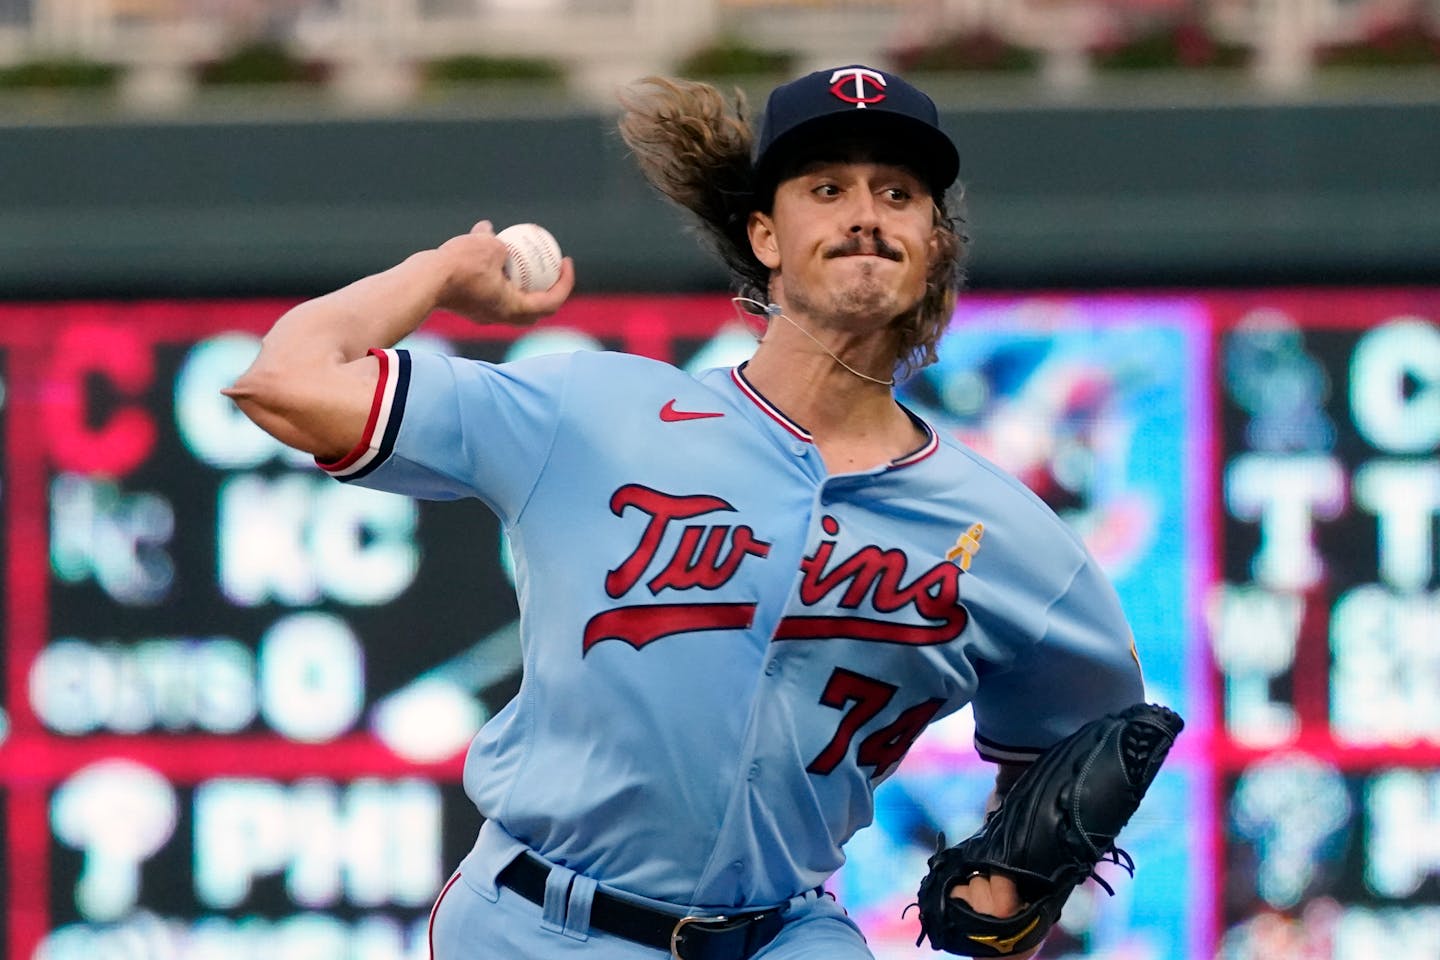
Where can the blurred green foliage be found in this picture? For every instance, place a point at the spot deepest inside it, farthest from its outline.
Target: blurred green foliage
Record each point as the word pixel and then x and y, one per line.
pixel 1187 45
pixel 1183 46
pixel 479 69
pixel 58 75
pixel 968 51
pixel 1412 43
pixel 731 58
pixel 260 62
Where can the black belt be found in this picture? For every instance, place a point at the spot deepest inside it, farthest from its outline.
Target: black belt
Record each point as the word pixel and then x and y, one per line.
pixel 686 938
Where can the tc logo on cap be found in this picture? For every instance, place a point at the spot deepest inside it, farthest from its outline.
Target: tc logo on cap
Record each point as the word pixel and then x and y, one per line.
pixel 858 85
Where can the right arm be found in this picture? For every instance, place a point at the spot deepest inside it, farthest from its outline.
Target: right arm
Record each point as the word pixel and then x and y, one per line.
pixel 312 383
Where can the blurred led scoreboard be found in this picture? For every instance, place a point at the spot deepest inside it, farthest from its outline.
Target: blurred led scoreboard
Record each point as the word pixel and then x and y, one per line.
pixel 237 693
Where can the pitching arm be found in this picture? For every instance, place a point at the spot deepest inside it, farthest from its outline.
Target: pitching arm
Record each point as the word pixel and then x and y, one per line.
pixel 311 385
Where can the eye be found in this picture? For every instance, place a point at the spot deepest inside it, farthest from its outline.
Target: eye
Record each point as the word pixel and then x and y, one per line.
pixel 898 195
pixel 826 190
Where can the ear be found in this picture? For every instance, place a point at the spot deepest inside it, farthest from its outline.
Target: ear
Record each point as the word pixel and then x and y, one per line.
pixel 763 242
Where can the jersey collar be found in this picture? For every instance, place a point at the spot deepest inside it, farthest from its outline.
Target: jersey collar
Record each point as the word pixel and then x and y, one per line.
pixel 768 408
pixel 932 439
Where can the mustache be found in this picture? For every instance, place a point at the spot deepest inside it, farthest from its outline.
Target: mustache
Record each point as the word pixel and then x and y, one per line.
pixel 855 246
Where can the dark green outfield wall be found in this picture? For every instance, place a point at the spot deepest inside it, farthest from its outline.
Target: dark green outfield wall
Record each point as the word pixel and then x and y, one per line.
pixel 1089 196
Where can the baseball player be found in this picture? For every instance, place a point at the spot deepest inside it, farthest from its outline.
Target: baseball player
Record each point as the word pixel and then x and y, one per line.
pixel 745 593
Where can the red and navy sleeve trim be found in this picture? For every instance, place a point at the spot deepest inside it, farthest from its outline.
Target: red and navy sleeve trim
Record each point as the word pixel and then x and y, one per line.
pixel 1001 753
pixel 387 409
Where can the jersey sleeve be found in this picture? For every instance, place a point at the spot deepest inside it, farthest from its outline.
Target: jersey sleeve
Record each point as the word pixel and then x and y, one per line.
pixel 442 428
pixel 1083 667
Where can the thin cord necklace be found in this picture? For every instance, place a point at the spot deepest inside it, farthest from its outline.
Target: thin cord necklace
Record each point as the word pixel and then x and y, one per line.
pixel 774 310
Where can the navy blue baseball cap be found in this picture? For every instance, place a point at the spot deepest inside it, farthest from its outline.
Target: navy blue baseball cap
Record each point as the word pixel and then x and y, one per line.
pixel 854 102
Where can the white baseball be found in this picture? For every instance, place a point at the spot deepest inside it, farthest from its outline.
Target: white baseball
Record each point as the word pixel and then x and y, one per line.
pixel 534 261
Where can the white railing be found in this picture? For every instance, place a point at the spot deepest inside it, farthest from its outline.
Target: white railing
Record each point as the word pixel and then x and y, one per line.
pixel 373 44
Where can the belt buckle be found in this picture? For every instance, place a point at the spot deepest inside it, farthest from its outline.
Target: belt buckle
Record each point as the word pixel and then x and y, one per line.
pixel 684 922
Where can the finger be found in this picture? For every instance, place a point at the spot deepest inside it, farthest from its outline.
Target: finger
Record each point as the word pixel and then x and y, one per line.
pixel 976 893
pixel 565 284
pixel 993 895
pixel 1004 897
pixel 484 227
pixel 546 302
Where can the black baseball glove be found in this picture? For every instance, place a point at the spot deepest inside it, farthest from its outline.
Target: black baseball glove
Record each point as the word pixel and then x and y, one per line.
pixel 1055 824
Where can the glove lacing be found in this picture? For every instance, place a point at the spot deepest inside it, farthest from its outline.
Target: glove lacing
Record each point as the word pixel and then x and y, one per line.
pixel 1111 854
pixel 1137 747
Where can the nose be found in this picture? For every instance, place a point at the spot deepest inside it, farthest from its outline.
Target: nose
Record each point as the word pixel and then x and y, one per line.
pixel 864 214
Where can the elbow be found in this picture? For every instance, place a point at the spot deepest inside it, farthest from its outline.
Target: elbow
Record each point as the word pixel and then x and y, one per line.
pixel 319 409
pixel 256 390
pixel 267 398
pixel 275 380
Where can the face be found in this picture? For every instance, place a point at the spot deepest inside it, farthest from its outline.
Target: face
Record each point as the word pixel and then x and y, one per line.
pixel 848 242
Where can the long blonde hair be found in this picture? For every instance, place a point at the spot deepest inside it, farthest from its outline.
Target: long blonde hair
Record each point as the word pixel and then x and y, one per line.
pixel 694 146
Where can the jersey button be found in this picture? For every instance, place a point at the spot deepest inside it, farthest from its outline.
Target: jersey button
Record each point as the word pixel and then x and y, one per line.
pixel 797 448
pixel 772 667
pixel 753 772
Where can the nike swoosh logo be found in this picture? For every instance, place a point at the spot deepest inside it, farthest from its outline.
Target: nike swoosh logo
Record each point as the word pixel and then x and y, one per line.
pixel 669 414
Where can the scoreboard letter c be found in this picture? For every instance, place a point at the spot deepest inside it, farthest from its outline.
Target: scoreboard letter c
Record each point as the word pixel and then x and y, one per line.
pixel 79 441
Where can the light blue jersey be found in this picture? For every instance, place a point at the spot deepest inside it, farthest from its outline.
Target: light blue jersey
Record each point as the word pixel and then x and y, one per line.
pixel 726 649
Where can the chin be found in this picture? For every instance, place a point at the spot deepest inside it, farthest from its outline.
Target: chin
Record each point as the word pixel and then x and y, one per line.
pixel 877 306
pixel 873 296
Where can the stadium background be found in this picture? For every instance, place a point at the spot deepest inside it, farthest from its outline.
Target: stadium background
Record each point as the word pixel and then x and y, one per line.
pixel 1204 324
